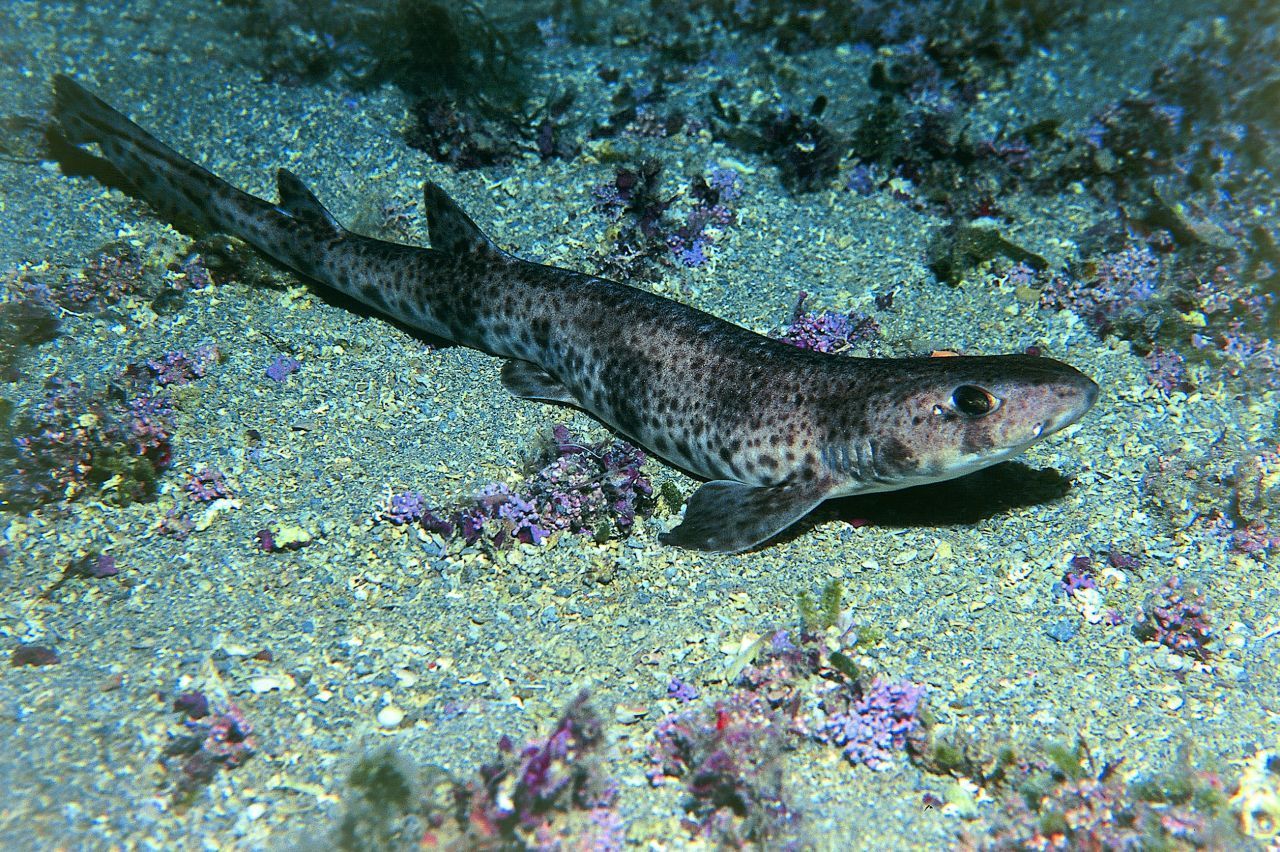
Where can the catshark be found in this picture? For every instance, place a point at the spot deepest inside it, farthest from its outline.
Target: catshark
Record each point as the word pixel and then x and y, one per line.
pixel 775 430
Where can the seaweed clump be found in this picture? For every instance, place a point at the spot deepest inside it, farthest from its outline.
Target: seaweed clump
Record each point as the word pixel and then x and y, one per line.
pixel 1058 797
pixel 460 64
pixel 75 442
pixel 789 687
pixel 578 487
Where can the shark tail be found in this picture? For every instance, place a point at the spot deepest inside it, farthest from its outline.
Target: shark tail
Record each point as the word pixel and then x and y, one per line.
pixel 189 194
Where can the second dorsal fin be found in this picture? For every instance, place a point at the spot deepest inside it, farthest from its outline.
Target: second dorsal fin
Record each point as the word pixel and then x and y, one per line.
pixel 301 203
pixel 451 230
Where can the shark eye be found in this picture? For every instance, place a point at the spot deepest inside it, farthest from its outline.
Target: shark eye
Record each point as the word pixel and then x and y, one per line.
pixel 973 401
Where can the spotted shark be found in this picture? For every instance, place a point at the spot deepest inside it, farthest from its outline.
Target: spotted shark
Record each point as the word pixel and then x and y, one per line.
pixel 775 430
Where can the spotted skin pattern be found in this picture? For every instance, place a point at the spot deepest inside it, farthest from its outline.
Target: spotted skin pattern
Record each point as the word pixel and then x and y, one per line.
pixel 775 429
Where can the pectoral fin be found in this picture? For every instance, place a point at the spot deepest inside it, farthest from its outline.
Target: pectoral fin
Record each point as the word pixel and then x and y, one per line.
pixel 729 516
pixel 529 381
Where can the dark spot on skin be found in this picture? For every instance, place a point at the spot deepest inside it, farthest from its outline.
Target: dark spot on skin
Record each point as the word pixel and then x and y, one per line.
pixel 893 453
pixel 977 440
pixel 372 295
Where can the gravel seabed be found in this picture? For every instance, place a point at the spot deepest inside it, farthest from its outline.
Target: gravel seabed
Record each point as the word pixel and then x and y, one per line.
pixel 470 647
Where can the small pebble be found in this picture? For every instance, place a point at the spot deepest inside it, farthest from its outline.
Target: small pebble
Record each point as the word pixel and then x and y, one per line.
pixel 265 684
pixel 1062 631
pixel 33 655
pixel 627 714
pixel 390 716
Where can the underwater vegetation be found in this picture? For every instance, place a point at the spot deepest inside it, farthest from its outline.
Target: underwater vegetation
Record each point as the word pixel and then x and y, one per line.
pixel 113 441
pixel 460 65
pixel 579 487
pixel 642 238
pixel 1177 616
pixel 1186 275
pixel 214 736
pixel 1055 797
pixel 728 755
pixel 520 796
pixel 792 687
pixel 1230 490
pixel 116 442
pixel 828 331
pixel 549 794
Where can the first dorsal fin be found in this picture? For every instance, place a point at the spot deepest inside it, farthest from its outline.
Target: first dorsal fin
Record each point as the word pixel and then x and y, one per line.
pixel 301 203
pixel 451 230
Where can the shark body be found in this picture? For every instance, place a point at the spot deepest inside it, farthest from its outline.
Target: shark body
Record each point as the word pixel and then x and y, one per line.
pixel 775 429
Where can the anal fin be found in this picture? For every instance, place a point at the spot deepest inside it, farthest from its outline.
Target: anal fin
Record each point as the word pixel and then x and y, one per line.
pixel 729 516
pixel 529 381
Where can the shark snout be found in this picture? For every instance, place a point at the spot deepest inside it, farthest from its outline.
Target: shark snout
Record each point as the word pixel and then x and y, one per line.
pixel 1076 396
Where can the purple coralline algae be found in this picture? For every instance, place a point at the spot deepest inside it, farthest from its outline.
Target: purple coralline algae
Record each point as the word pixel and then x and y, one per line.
pixel 1057 800
pixel 110 275
pixel 877 724
pixel 828 331
pixel 593 489
pixel 527 799
pixel 635 200
pixel 689 242
pixel 728 756
pixel 282 367
pixel 1167 370
pixel 96 566
pixel 212 739
pixel 193 273
pixel 1107 286
pixel 176 524
pixel 681 691
pixel 76 442
pixel 180 368
pixel 1177 617
pixel 1093 813
pixel 206 485
pixel 1079 576
pixel 407 507
pixel 728 752
pixel 832 701
pixel 1256 501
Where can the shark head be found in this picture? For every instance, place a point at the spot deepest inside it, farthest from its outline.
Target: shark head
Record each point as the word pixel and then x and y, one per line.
pixel 940 418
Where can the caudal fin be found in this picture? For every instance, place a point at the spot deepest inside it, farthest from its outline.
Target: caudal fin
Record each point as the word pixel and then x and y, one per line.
pixel 175 186
pixel 191 195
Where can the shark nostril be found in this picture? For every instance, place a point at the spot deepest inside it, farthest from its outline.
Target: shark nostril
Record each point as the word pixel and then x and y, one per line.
pixel 1037 429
